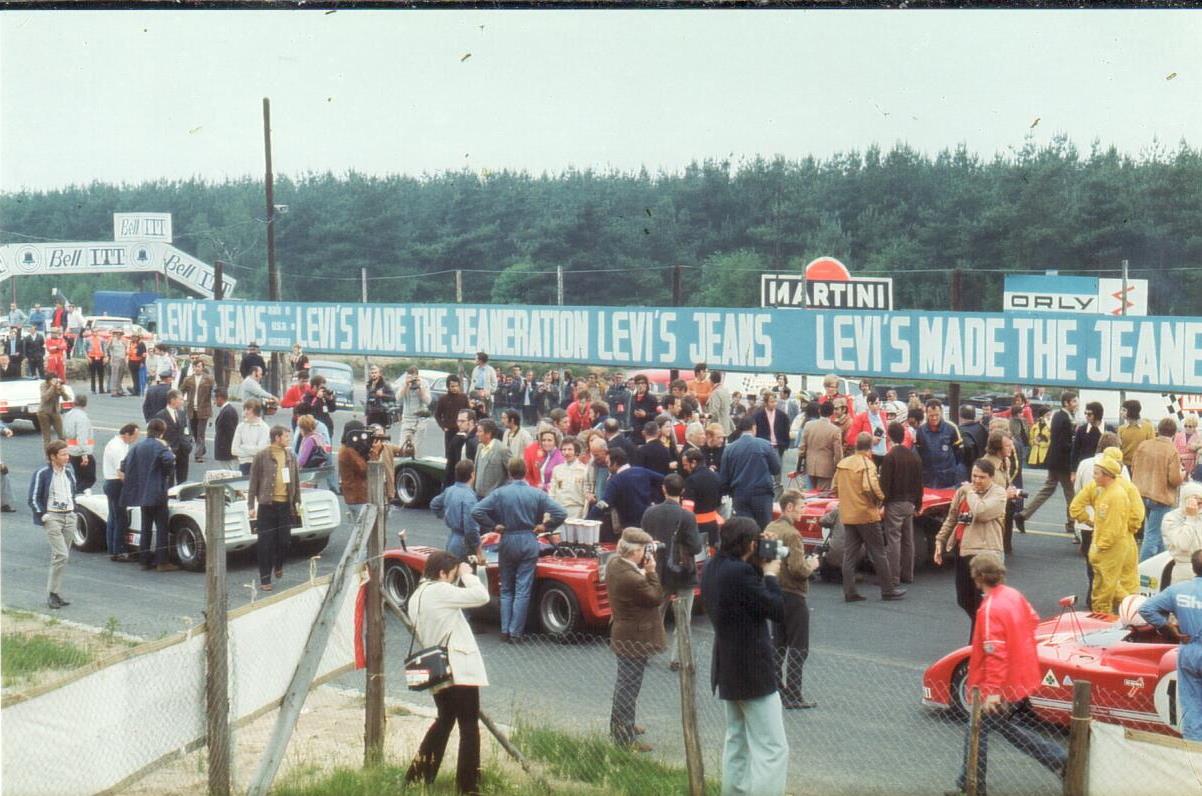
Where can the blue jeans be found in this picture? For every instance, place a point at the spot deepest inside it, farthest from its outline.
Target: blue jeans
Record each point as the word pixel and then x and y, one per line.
pixel 1016 723
pixel 755 757
pixel 140 379
pixel 1153 517
pixel 118 521
pixel 519 554
pixel 758 507
pixel 1189 690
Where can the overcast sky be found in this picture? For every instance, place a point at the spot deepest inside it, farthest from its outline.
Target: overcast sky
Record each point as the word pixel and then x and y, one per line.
pixel 128 95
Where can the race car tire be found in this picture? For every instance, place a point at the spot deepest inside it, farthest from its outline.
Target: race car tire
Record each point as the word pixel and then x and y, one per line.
pixel 926 528
pixel 413 488
pixel 188 544
pixel 311 547
pixel 958 697
pixel 558 610
pixel 399 582
pixel 89 532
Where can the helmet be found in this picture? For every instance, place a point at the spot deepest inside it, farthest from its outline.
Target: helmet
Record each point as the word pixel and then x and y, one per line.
pixel 1129 614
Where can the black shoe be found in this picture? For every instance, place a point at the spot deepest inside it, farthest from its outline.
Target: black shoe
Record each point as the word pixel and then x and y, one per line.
pixel 56 602
pixel 798 704
pixel 854 598
pixel 7 509
pixel 896 594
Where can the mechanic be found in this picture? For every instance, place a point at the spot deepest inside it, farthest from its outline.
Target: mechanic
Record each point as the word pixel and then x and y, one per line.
pixel 973 526
pixel 939 446
pixel 678 544
pixel 1184 601
pixel 517 511
pixel 1113 513
pixel 145 473
pixel 860 501
pixel 792 636
pixel 51 496
pixel 1083 480
pixel 273 497
pixel 1004 665
pixel 454 506
pixel 629 490
pixel 742 595
pixel 749 470
pixel 636 631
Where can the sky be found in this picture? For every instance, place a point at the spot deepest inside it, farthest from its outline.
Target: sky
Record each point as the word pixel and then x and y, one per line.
pixel 127 96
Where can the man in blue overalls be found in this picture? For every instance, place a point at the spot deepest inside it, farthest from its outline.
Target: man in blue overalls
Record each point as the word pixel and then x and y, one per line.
pixel 1184 600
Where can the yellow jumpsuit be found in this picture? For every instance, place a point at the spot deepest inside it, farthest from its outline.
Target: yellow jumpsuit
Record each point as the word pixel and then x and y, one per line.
pixel 1111 551
pixel 1129 576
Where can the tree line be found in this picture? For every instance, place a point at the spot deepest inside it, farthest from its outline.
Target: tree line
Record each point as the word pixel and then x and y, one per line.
pixel 618 235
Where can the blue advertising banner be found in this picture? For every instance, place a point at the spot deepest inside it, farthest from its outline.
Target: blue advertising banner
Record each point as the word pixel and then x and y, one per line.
pixel 1104 352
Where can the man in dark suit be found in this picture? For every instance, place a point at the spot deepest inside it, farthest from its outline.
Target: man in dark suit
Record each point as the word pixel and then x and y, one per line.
pixel 156 395
pixel 15 348
pixel 34 349
pixel 146 472
pixel 1059 461
pixel 224 427
pixel 741 596
pixel 772 424
pixel 629 490
pixel 177 435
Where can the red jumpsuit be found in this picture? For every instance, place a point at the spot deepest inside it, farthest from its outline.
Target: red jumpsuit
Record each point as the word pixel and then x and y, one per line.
pixel 56 357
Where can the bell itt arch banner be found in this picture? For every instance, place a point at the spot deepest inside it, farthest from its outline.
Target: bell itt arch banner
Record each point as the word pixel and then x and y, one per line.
pixel 1063 349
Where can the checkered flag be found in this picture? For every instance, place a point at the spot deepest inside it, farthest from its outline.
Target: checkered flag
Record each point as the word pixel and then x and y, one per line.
pixel 1173 407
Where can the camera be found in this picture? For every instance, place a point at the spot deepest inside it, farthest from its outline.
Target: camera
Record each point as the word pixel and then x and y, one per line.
pixel 1022 494
pixel 770 549
pixel 878 432
pixel 964 518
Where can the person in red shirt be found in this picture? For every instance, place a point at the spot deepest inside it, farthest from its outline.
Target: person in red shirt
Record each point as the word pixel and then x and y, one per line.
pixel 580 412
pixel 56 353
pixel 1004 666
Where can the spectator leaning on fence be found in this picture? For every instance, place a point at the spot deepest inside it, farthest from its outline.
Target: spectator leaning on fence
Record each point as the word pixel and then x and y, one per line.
pixel 52 499
pixel 436 605
pixel 1184 601
pixel 741 597
pixel 637 630
pixel 1004 666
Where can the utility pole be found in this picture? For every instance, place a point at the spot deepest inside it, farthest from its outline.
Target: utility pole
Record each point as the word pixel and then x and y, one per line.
pixel 373 732
pixel 459 286
pixel 217 697
pixel 953 389
pixel 363 298
pixel 1123 312
pixel 218 295
pixel 674 373
pixel 559 301
pixel 273 275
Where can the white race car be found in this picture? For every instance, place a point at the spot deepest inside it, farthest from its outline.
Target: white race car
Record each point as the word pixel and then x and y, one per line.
pixel 19 400
pixel 320 515
pixel 1155 574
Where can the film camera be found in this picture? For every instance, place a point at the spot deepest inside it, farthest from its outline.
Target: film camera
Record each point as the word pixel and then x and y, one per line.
pixel 770 549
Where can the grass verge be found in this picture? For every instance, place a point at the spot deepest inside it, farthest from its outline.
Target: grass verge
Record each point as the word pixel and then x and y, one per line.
pixel 25 655
pixel 384 779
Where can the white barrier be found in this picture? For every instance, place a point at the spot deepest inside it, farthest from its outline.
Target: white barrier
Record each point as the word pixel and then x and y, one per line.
pixel 1126 762
pixel 106 725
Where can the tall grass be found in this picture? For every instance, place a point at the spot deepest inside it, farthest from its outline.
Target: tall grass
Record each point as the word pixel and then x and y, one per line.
pixel 25 655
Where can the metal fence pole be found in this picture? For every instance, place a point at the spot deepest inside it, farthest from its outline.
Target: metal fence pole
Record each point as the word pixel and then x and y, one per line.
pixel 217 698
pixel 1077 765
pixel 373 734
pixel 688 701
pixel 971 786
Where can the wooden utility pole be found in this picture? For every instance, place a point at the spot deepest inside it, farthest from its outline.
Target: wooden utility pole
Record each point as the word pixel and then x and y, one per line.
pixel 677 300
pixel 688 701
pixel 217 696
pixel 373 733
pixel 1123 312
pixel 971 786
pixel 458 286
pixel 273 275
pixel 1077 766
pixel 219 377
pixel 953 389
pixel 363 298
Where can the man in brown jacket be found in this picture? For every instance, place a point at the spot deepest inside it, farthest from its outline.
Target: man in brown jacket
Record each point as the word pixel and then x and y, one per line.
pixel 860 500
pixel 1156 472
pixel 821 447
pixel 198 392
pixel 636 628
pixel 981 504
pixel 273 498
pixel 50 416
pixel 792 636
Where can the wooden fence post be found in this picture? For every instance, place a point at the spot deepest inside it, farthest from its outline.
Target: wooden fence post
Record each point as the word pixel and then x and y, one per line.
pixel 688 700
pixel 1077 765
pixel 373 734
pixel 971 786
pixel 217 696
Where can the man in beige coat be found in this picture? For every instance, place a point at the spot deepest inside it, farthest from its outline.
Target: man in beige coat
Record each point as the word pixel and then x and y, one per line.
pixel 860 501
pixel 636 628
pixel 1156 471
pixel 821 447
pixel 974 525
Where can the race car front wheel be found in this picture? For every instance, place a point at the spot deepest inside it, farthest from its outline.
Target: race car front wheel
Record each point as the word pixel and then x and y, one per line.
pixel 399 582
pixel 558 610
pixel 960 701
pixel 413 488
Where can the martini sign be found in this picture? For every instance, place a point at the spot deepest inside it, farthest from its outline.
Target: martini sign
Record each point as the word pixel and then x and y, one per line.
pixel 826 284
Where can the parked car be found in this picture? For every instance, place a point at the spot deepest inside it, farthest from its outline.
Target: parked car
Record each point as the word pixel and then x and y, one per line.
pixel 339 377
pixel 105 324
pixel 320 515
pixel 1133 670
pixel 19 400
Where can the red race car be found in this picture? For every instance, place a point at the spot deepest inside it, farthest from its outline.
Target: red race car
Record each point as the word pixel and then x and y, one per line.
pixel 569 582
pixel 1133 670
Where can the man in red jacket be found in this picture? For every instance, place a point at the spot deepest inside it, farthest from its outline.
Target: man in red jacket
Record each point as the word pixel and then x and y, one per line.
pixel 1003 664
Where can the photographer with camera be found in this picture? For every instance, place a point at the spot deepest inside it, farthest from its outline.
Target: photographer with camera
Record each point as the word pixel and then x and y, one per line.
pixel 741 593
pixel 637 629
pixel 414 398
pixel 792 636
pixel 973 526
pixel 380 398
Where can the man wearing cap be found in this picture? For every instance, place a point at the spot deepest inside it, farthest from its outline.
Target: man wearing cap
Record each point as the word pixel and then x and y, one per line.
pixel 1114 512
pixel 250 360
pixel 117 351
pixel 636 631
pixel 156 396
pixel 516 511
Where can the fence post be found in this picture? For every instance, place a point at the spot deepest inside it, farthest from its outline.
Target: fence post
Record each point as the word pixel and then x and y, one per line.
pixel 373 734
pixel 971 786
pixel 688 700
pixel 217 698
pixel 1077 765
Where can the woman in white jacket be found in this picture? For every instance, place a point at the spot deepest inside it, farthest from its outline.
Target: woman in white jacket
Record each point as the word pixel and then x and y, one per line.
pixel 1182 531
pixel 436 607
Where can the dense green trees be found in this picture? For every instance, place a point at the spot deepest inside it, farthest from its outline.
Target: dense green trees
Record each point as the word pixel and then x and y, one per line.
pixel 617 236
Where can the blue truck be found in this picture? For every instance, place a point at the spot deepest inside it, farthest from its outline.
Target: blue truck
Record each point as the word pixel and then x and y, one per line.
pixel 126 304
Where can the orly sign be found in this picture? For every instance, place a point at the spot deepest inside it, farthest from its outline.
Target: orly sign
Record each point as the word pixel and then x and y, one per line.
pixel 1154 353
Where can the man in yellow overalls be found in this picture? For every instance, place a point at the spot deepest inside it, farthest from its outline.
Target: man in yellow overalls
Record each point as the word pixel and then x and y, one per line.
pixel 1112 552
